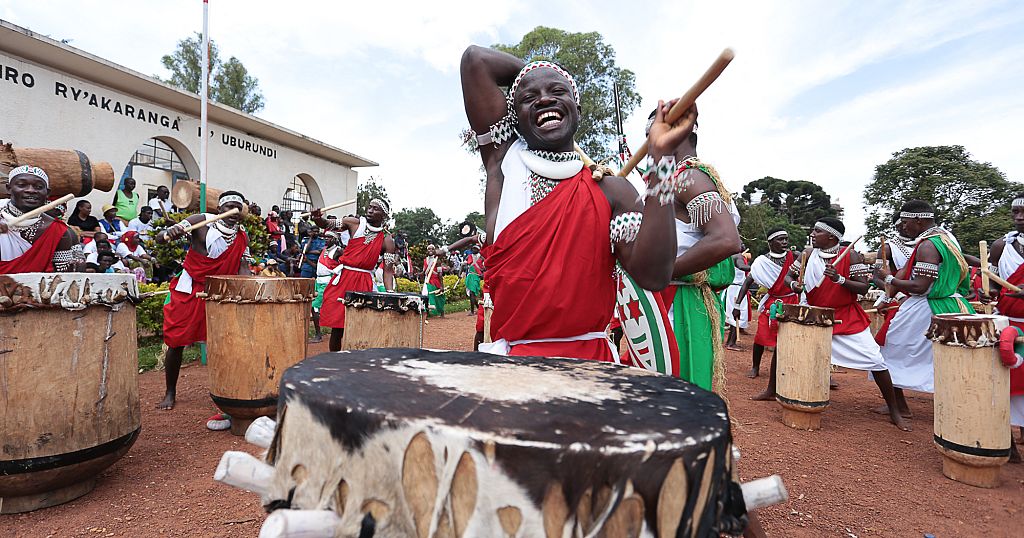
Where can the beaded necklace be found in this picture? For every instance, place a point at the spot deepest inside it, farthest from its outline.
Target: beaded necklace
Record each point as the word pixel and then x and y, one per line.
pixel 27 231
pixel 541 186
pixel 229 233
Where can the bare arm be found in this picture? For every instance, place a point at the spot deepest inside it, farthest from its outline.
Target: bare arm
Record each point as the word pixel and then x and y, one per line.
pixel 918 284
pixel 484 72
pixel 740 262
pixel 389 270
pixel 744 290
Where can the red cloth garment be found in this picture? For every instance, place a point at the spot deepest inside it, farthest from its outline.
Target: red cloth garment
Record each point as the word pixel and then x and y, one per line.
pixel 1017 374
pixel 328 261
pixel 768 330
pixel 185 313
pixel 360 255
pixel 832 295
pixel 551 273
pixel 39 257
pixel 1012 306
pixel 435 276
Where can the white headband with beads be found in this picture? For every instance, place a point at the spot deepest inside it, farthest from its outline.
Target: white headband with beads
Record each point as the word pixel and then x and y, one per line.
pixel 30 170
pixel 826 228
pixel 778 233
pixel 919 215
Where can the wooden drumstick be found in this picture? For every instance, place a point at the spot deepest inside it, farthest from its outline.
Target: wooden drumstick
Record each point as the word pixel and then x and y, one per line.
pixel 328 208
pixel 39 210
pixel 803 267
pixel 586 159
pixel 983 254
pixel 995 278
pixel 845 252
pixel 211 220
pixel 881 252
pixel 684 103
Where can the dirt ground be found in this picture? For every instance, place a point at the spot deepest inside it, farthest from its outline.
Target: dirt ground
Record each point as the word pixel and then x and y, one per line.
pixel 858 476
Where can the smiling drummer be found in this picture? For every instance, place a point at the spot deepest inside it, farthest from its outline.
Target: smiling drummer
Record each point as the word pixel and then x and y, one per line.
pixel 37 245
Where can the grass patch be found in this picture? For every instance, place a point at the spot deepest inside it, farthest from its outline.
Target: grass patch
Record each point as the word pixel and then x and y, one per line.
pixel 150 348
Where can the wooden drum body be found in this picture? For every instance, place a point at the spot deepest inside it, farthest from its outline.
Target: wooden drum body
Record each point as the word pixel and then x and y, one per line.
pixel 804 359
pixel 69 407
pixel 70 171
pixel 256 328
pixel 383 319
pixel 185 195
pixel 420 443
pixel 972 397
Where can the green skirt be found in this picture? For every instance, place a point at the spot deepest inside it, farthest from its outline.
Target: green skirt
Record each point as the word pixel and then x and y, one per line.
pixel 436 300
pixel 319 301
pixel 473 283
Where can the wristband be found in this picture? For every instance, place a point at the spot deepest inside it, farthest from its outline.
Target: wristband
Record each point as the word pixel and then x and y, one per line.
pixel 889 279
pixel 841 281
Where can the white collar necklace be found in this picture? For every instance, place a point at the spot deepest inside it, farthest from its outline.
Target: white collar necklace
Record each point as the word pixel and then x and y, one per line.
pixel 829 252
pixel 547 169
pixel 779 255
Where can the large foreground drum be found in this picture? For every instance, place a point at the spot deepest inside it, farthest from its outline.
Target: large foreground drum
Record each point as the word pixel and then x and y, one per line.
pixel 804 360
pixel 412 442
pixel 256 328
pixel 383 319
pixel 69 403
pixel 972 397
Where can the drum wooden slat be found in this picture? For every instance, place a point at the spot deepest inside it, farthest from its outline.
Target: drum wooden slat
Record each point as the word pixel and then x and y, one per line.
pixel 70 384
pixel 488 312
pixel 375 319
pixel 804 364
pixel 185 195
pixel 972 398
pixel 425 443
pixel 256 328
pixel 70 171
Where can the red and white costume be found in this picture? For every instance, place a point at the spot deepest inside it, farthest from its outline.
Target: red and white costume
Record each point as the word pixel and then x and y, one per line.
pixel 549 300
pixel 185 313
pixel 768 273
pixel 731 293
pixel 17 255
pixel 354 272
pixel 852 344
pixel 1011 268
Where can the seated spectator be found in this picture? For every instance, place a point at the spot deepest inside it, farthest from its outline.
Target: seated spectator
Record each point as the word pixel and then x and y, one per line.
pixel 82 219
pixel 107 262
pixel 143 223
pixel 131 253
pixel 161 205
pixel 99 243
pixel 271 269
pixel 111 224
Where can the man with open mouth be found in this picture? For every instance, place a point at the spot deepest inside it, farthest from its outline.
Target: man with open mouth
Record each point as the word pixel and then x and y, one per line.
pixel 39 244
pixel 550 300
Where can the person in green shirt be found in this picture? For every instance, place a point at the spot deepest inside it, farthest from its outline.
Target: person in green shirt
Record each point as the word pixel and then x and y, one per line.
pixel 126 200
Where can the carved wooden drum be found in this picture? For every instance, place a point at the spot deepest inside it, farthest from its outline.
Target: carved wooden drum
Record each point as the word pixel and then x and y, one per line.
pixel 383 319
pixel 409 442
pixel 804 360
pixel 972 397
pixel 69 404
pixel 256 328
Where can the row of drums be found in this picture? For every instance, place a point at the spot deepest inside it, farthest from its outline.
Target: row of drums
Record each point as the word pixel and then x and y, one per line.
pixel 69 397
pixel 972 386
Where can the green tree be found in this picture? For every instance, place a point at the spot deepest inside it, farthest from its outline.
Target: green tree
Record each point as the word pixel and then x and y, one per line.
pixel 421 225
pixel 967 194
pixel 230 83
pixel 591 62
pixel 757 219
pixel 367 191
pixel 800 203
pixel 453 231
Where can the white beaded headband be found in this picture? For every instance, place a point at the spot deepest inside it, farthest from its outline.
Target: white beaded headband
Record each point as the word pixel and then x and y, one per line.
pixel 826 228
pixel 30 170
pixel 919 215
pixel 228 198
pixel 777 234
pixel 1017 202
pixel 382 205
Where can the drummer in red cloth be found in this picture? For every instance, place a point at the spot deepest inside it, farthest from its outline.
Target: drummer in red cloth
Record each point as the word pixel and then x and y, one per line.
pixel 549 299
pixel 38 245
pixel 833 278
pixel 219 248
pixel 354 271
pixel 1007 261
pixel 769 271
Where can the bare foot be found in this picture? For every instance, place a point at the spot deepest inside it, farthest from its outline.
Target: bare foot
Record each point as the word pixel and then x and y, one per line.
pixel 884 410
pixel 765 396
pixel 899 422
pixel 167 403
pixel 754 372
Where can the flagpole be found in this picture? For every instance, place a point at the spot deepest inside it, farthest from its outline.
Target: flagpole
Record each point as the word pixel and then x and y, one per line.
pixel 204 132
pixel 204 98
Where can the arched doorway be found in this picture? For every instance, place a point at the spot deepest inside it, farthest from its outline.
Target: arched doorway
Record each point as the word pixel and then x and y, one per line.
pixel 159 162
pixel 302 194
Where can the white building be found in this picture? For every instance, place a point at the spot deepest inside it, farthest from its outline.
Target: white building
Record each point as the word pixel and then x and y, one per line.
pixel 55 96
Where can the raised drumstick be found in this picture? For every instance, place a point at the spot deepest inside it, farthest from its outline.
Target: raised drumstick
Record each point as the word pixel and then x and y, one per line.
pixel 39 210
pixel 995 278
pixel 330 207
pixel 211 220
pixel 983 254
pixel 684 103
pixel 847 251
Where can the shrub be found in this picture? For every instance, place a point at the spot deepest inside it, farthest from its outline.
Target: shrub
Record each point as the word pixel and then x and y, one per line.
pixel 173 254
pixel 408 286
pixel 150 312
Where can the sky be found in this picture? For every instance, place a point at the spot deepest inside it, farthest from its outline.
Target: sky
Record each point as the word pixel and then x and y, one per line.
pixel 819 91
